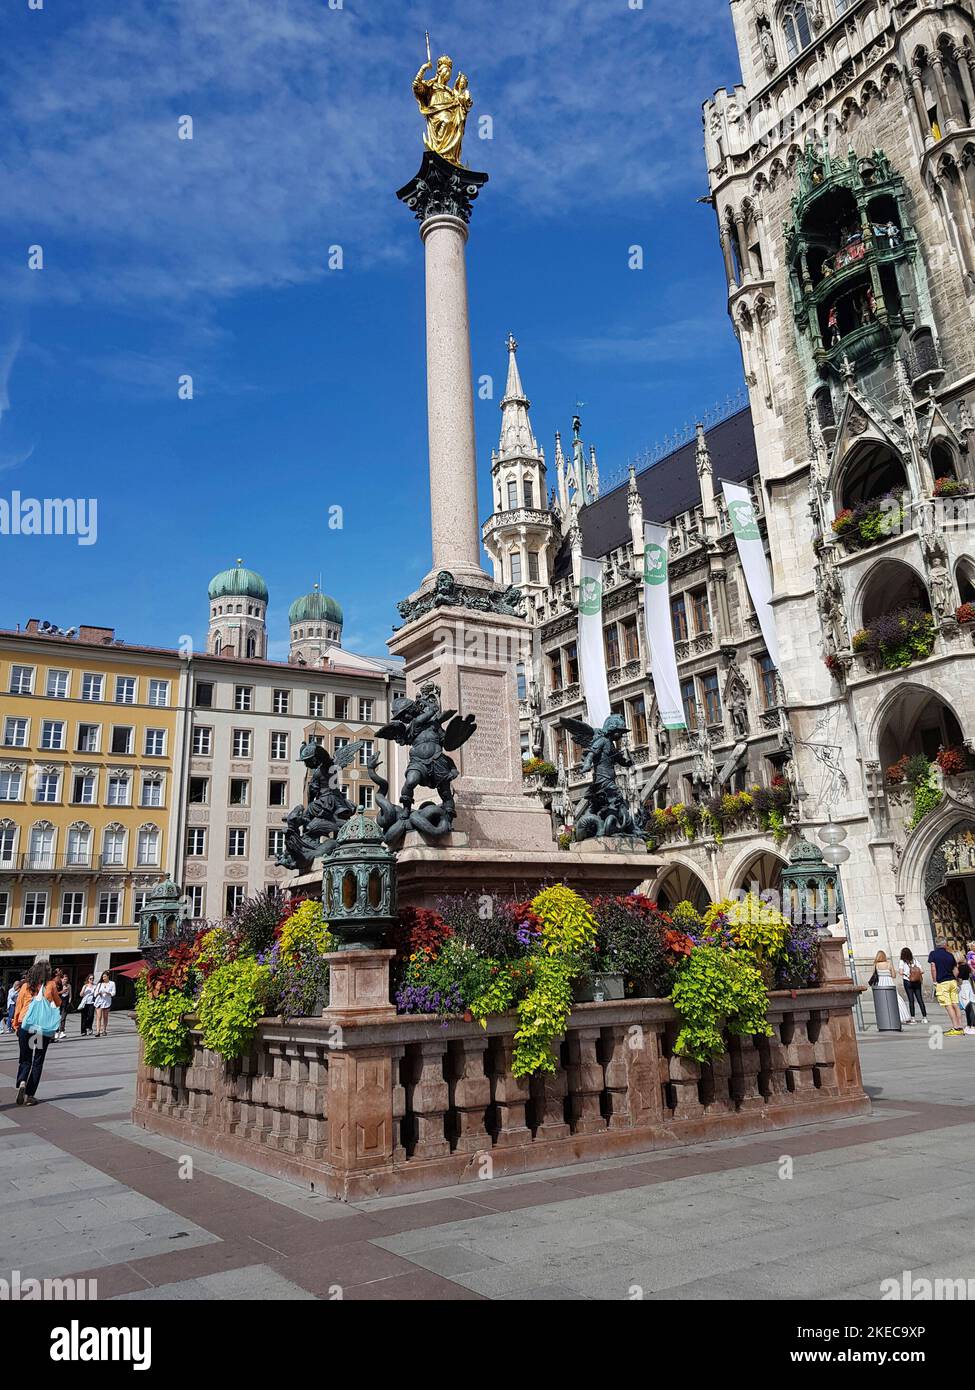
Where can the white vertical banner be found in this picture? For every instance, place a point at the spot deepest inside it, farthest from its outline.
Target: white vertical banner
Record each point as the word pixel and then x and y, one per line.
pixel 660 628
pixel 592 653
pixel 751 553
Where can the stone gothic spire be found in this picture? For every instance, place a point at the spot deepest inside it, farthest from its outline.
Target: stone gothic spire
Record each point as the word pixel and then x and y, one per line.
pixel 517 439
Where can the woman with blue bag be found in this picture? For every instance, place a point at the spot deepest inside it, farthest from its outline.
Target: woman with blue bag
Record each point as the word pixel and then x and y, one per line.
pixel 37 1017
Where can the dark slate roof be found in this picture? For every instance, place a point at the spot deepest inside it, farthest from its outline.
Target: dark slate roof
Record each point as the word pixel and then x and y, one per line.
pixel 667 488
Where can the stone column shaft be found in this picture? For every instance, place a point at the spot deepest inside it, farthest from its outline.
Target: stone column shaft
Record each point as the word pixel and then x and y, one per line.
pixel 450 401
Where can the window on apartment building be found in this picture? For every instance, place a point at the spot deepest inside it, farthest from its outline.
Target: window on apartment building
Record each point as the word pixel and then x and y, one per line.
pixel 631 642
pixel 92 686
pixel 340 742
pixel 147 846
pixel 152 789
pixel 243 697
pixel 275 843
pixel 194 902
pixel 155 743
pixel 79 845
pixel 199 792
pixel 21 680
pixel 119 789
pixel 711 697
pixel 702 613
pixel 242 741
pixel 769 682
pixel 366 751
pixel 638 722
pixel 203 694
pixel 159 693
pixel 72 909
pixel 40 852
pixel 237 844
pixel 114 846
pixel 317 706
pixel 196 841
pixel 52 733
pixel 11 783
pixel 109 909
pixel 125 690
pixel 279 748
pixel 367 796
pixel 365 711
pixel 57 685
pixel 14 733
pixel 240 791
pixel 4 909
pixel 611 644
pixel 277 793
pixel 678 617
pixel 88 735
pixel 35 909
pixel 202 741
pixel 83 788
pixel 234 895
pixel 47 787
pixel 281 701
pixel 122 736
pixel 342 703
pixel 8 839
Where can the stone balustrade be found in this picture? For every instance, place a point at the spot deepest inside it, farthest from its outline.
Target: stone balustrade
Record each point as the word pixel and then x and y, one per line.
pixel 398 1104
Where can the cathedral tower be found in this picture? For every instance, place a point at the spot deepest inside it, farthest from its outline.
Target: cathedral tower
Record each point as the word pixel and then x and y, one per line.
pixel 238 613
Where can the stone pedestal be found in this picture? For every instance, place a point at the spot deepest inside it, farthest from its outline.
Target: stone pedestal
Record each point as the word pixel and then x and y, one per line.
pixel 472 657
pixel 359 987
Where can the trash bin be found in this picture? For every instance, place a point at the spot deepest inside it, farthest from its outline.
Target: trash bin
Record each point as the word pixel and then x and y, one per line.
pixel 885 1007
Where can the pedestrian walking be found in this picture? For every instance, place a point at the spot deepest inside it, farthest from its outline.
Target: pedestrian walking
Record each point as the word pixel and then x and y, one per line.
pixel 944 973
pixel 86 1004
pixel 966 997
pixel 64 989
pixel 37 1017
pixel 104 997
pixel 12 993
pixel 885 977
pixel 913 978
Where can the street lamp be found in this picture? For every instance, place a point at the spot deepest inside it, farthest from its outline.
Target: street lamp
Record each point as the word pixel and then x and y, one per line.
pixel 836 853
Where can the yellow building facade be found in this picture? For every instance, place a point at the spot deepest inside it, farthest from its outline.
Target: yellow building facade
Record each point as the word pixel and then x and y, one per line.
pixel 91 738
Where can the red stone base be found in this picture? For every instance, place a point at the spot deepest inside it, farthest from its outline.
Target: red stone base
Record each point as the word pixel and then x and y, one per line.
pixel 382 1106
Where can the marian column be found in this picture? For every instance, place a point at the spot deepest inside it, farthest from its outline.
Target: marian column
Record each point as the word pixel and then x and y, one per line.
pixel 462 632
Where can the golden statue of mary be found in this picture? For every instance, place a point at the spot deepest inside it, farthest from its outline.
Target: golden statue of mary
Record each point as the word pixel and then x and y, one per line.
pixel 444 108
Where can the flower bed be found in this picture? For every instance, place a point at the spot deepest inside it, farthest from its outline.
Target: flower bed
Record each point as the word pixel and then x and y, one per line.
pixel 870 522
pixel 764 806
pixel 897 639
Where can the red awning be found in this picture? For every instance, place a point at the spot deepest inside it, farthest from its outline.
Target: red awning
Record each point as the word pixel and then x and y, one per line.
pixel 132 971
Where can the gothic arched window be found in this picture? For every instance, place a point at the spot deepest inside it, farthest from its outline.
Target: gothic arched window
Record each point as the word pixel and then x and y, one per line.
pixel 796 27
pixel 251 645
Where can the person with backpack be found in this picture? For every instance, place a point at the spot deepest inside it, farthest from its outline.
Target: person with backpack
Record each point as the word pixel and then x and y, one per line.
pixel 913 977
pixel 37 1018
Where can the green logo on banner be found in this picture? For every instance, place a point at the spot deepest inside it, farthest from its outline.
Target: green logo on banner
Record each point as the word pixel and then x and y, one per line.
pixel 590 597
pixel 743 521
pixel 654 564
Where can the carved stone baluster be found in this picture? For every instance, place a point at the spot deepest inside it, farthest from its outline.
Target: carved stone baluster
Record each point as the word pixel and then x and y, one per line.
pixel 824 1070
pixel 685 1080
pixel 773 1052
pixel 470 1094
pixel 745 1066
pixel 548 1091
pixel 397 1060
pixel 428 1097
pixel 587 1082
pixel 616 1070
pixel 800 1056
pixel 509 1095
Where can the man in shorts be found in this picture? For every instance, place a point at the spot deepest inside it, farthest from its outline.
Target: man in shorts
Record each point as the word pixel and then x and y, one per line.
pixel 944 973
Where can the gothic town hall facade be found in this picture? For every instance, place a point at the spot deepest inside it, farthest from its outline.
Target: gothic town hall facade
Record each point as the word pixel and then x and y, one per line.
pixel 842 175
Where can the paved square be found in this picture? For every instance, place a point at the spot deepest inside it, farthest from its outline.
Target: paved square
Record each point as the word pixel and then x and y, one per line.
pixel 91 1195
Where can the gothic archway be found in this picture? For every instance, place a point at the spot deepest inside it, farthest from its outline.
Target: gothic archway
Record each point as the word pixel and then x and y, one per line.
pixel 678 883
pixel 949 886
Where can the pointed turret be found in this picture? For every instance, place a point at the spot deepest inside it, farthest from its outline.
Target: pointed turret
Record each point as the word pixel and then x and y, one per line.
pixel 516 439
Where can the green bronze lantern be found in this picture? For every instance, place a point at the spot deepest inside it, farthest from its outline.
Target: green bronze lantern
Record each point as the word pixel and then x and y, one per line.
pixel 811 891
pixel 162 912
pixel 359 886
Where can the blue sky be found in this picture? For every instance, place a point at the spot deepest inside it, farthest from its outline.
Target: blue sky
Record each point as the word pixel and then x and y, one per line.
pixel 210 257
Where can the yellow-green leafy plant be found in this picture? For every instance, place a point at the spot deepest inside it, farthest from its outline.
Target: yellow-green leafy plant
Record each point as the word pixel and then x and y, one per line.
pixel 233 998
pixel 543 1016
pixel 306 929
pixel 160 1020
pixel 714 990
pixel 752 925
pixel 568 925
pixel 686 918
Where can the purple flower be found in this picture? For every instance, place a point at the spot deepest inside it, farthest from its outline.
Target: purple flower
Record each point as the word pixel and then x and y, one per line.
pixel 526 934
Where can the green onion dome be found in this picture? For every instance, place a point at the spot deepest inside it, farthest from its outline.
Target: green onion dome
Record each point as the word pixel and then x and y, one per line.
pixel 238 583
pixel 315 607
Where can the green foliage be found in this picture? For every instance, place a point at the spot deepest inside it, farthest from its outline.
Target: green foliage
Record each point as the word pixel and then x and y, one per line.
pixel 306 929
pixel 718 989
pixel 543 1014
pixel 686 918
pixel 233 998
pixel 926 797
pixel 753 925
pixel 631 944
pixel 498 995
pixel 159 1017
pixel 255 922
pixel 568 926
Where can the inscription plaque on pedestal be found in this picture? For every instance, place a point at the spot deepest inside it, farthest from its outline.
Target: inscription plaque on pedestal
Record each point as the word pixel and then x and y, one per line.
pixel 488 756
